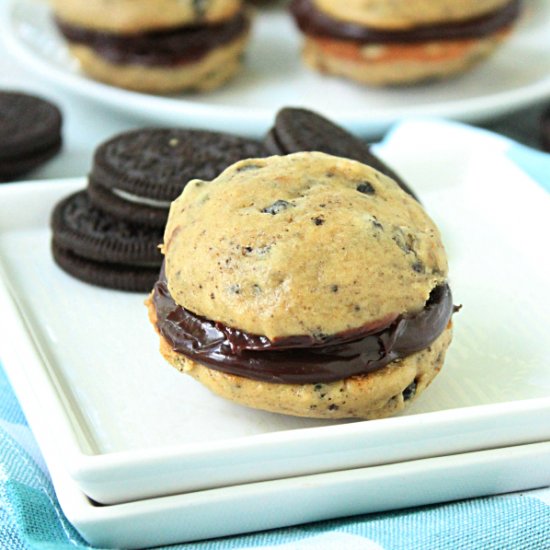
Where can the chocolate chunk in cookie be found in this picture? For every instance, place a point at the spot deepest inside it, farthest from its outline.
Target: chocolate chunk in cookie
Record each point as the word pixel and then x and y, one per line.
pixel 137 174
pixel 99 249
pixel 30 133
pixel 299 130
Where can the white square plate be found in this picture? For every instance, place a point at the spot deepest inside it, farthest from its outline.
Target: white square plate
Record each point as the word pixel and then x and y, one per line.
pixel 126 426
pixel 280 503
pixel 267 505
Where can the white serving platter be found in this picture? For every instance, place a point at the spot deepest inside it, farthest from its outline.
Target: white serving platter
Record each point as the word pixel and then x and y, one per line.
pixel 517 75
pixel 126 426
pixel 267 505
pixel 271 504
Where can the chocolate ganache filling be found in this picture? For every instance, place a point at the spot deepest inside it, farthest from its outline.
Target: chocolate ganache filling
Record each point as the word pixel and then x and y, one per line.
pixel 159 48
pixel 314 22
pixel 300 359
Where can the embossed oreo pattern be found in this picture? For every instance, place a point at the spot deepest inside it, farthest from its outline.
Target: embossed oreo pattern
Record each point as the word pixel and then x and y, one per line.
pixel 92 234
pixel 157 163
pixel 27 124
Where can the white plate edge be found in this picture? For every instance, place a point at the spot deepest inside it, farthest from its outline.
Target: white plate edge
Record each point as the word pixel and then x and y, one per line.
pixel 452 477
pixel 468 110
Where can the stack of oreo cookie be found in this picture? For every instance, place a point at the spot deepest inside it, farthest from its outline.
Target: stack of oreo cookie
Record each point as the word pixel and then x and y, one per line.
pixel 108 234
pixel 30 133
pixel 161 46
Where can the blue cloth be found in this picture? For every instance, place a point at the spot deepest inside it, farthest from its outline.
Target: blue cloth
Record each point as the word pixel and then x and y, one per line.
pixel 31 518
pixel 534 163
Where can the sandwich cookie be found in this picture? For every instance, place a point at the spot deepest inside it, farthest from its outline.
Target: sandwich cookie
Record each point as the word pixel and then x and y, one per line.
pixel 402 42
pixel 30 133
pixel 305 284
pixel 136 175
pixel 187 46
pixel 99 249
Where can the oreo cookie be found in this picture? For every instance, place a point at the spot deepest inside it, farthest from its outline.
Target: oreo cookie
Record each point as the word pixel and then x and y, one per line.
pixel 297 130
pixel 30 133
pixel 102 250
pixel 137 174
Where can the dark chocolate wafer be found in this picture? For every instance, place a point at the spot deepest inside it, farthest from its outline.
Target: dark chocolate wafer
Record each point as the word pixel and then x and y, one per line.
pixel 113 276
pixel 138 173
pixel 123 208
pixel 298 130
pixel 30 133
pixel 14 167
pixel 97 248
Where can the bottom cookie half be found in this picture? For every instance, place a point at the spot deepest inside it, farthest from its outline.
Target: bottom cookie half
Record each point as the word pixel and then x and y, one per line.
pixel 397 64
pixel 374 395
pixel 208 73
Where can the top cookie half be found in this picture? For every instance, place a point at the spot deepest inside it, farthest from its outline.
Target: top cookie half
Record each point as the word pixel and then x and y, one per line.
pixel 134 16
pixel 305 244
pixel 403 14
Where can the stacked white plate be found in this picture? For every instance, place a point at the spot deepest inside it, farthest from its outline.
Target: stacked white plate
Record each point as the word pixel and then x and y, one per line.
pixel 141 455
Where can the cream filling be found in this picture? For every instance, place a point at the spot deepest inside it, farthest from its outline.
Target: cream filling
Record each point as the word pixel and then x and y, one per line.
pixel 141 200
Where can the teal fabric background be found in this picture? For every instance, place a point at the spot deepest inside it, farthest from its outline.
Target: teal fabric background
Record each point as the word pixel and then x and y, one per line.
pixel 31 519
